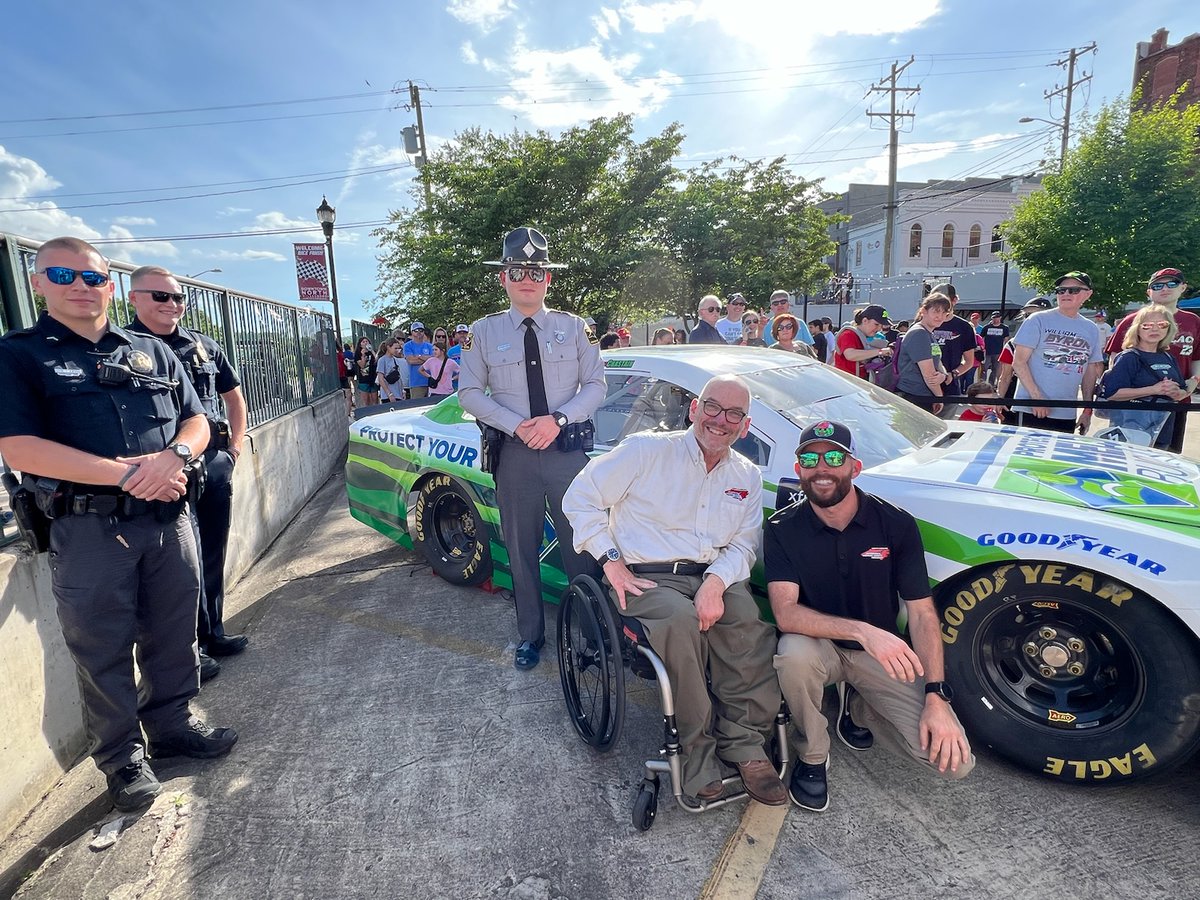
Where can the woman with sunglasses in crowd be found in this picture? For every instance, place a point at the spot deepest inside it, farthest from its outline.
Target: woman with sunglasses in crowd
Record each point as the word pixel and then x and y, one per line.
pixel 365 363
pixel 1146 371
pixel 752 330
pixel 784 329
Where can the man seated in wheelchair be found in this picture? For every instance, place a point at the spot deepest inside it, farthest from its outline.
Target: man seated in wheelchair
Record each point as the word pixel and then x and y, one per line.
pixel 675 518
pixel 837 564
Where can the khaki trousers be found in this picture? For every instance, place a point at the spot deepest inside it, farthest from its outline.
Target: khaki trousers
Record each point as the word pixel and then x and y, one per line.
pixel 890 708
pixel 734 655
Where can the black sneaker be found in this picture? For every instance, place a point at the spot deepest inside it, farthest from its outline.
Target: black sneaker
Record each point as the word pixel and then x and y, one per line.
pixel 854 736
pixel 197 740
pixel 133 786
pixel 209 667
pixel 809 788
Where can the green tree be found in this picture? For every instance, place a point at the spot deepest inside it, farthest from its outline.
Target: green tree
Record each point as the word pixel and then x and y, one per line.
pixel 596 193
pixel 751 227
pixel 1124 205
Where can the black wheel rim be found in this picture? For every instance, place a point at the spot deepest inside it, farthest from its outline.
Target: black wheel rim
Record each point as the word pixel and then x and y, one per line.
pixel 454 527
pixel 591 675
pixel 1060 664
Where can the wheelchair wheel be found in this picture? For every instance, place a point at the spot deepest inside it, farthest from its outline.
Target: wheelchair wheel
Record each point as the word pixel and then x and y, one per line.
pixel 589 663
pixel 645 807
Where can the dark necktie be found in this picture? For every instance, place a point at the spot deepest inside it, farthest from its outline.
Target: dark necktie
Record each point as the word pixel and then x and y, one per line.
pixel 533 372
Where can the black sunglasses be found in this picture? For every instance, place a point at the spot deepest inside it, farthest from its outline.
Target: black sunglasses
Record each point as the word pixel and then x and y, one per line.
pixel 520 273
pixel 163 296
pixel 62 275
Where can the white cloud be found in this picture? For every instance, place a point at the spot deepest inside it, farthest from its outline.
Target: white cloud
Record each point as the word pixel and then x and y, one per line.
pixel 468 54
pixel 276 221
pixel 134 220
pixel 234 211
pixel 22 178
pixel 244 255
pixel 601 86
pixel 483 14
pixel 607 23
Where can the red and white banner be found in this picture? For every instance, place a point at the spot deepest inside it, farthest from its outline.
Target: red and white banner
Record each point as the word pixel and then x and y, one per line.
pixel 312 272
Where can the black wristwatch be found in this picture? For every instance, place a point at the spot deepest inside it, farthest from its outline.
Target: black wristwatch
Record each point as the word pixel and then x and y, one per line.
pixel 183 451
pixel 941 688
pixel 560 419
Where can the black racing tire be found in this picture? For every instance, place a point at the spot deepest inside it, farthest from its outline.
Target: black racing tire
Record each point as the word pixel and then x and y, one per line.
pixel 1070 673
pixel 450 533
pixel 645 805
pixel 589 663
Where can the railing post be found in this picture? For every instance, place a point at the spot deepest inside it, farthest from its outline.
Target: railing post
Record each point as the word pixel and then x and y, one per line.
pixel 300 377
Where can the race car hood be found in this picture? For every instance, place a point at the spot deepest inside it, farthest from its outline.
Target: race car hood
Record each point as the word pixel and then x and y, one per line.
pixel 1088 473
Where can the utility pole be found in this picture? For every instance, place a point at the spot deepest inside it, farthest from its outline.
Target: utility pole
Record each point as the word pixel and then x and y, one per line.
pixel 888 86
pixel 1066 91
pixel 414 94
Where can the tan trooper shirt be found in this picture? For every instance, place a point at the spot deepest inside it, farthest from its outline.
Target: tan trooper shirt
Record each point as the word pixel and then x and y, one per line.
pixel 653 499
pixel 492 385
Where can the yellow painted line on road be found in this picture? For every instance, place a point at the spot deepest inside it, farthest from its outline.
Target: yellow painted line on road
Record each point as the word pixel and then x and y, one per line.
pixel 743 861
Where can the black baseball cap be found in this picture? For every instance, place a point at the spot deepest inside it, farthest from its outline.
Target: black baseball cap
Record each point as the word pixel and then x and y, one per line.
pixel 830 432
pixel 876 313
pixel 1078 276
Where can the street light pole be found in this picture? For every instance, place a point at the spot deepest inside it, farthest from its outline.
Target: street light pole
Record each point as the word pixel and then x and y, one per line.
pixel 1062 126
pixel 326 215
pixel 203 272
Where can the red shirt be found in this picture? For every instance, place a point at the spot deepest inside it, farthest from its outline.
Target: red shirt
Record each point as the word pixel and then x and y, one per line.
pixel 848 340
pixel 1185 348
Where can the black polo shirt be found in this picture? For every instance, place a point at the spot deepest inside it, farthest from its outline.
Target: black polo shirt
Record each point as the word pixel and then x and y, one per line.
pixel 52 390
pixel 860 573
pixel 204 362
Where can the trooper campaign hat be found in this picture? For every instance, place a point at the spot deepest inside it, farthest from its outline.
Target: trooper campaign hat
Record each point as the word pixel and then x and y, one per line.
pixel 526 247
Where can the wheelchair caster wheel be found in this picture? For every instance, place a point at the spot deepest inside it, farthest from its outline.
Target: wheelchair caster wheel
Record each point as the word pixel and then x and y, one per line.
pixel 645 807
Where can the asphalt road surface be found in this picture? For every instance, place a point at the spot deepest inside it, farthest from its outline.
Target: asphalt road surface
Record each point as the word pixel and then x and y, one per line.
pixel 389 749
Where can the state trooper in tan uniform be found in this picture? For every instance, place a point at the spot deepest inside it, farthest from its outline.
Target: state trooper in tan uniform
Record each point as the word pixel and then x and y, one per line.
pixel 543 371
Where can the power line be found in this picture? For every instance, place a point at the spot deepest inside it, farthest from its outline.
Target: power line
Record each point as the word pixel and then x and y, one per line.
pixel 235 234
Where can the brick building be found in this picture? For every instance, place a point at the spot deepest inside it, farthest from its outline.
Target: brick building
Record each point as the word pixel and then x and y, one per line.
pixel 1160 68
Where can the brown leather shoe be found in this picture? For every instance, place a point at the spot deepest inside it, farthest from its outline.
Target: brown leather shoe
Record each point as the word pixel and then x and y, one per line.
pixel 711 791
pixel 762 782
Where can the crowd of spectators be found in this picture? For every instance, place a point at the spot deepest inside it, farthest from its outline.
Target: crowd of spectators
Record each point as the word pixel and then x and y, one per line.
pixel 406 365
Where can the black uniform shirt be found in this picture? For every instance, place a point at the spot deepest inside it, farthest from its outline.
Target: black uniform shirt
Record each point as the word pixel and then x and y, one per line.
pixel 52 390
pixel 204 363
pixel 857 573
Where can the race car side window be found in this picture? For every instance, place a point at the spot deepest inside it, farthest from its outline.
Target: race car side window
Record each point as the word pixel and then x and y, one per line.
pixel 639 403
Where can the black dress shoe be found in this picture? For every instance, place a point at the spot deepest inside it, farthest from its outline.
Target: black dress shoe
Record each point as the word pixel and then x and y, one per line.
pixel 853 735
pixel 209 668
pixel 226 645
pixel 133 786
pixel 196 740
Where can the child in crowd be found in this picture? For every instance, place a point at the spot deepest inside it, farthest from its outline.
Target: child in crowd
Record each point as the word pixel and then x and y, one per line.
pixel 981 411
pixel 441 372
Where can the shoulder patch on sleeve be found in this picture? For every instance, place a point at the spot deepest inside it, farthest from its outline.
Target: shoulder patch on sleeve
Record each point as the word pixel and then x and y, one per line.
pixel 591 334
pixel 467 342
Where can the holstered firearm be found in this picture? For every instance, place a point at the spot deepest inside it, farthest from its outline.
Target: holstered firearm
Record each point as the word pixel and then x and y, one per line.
pixel 32 523
pixel 197 477
pixel 491 440
pixel 218 434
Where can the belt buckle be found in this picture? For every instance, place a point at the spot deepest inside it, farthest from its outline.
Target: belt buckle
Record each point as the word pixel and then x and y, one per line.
pixel 675 567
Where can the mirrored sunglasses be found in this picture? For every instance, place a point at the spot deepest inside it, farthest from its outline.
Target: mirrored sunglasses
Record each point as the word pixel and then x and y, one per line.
pixel 62 275
pixel 835 459
pixel 520 273
pixel 1164 285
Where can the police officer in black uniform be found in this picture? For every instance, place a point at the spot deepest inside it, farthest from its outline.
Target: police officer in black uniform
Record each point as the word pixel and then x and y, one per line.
pixel 533 377
pixel 160 303
pixel 102 423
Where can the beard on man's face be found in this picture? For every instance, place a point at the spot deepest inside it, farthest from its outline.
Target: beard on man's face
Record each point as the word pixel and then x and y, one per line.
pixel 826 488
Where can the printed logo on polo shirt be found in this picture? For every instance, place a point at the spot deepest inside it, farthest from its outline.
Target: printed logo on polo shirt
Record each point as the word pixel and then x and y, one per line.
pixel 823 429
pixel 737 493
pixel 876 553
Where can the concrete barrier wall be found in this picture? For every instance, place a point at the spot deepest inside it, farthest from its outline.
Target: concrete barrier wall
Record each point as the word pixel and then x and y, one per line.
pixel 41 720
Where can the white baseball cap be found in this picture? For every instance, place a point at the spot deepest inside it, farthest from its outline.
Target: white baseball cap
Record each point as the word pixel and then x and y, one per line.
pixel 459 328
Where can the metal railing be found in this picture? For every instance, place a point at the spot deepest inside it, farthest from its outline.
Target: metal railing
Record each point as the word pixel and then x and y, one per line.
pixel 360 330
pixel 285 355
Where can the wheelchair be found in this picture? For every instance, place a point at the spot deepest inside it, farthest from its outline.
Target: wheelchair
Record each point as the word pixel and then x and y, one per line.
pixel 596 644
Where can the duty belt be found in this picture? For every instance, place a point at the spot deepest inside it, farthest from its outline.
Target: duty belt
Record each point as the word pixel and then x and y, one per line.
pixel 121 505
pixel 679 567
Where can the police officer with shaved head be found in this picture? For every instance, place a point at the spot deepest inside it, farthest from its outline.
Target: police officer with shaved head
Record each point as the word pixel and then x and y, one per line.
pixel 532 377
pixel 102 423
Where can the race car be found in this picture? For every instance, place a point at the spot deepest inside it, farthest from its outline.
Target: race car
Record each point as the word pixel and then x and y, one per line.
pixel 1064 567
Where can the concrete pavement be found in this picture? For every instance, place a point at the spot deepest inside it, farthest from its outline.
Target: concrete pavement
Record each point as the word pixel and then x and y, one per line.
pixel 389 749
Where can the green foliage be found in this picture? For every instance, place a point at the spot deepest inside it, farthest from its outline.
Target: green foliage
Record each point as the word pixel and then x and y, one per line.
pixel 641 238
pixel 1124 205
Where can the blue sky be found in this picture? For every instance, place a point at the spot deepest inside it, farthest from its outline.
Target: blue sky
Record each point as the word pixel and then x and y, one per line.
pixel 172 122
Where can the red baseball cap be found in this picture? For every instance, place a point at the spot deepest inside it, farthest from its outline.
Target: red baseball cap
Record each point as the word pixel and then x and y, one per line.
pixel 623 332
pixel 1166 273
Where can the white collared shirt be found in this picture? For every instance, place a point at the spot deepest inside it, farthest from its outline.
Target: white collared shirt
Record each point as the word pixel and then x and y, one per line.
pixel 653 499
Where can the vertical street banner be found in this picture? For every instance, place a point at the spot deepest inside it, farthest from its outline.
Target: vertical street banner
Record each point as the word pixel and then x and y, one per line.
pixel 312 272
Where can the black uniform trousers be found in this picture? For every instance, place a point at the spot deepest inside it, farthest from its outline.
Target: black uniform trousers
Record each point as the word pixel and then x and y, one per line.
pixel 528 481
pixel 126 587
pixel 214 510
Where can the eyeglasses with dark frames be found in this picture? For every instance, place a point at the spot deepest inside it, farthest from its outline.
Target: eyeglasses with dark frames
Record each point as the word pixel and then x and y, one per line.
pixel 835 459
pixel 712 409
pixel 61 275
pixel 1165 285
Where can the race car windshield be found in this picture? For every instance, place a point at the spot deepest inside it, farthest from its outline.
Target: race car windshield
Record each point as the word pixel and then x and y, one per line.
pixel 884 426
